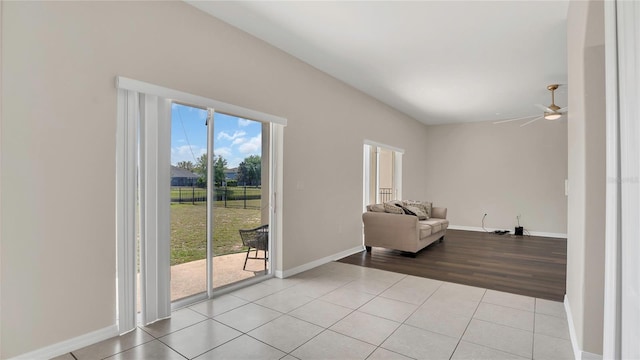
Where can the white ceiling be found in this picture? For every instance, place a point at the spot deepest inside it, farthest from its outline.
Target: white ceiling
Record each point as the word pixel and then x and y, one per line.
pixel 437 61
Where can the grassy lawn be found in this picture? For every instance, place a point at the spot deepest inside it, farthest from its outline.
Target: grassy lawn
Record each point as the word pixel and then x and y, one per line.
pixel 189 229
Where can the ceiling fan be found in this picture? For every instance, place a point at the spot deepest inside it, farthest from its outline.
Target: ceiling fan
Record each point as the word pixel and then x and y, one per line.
pixel 551 112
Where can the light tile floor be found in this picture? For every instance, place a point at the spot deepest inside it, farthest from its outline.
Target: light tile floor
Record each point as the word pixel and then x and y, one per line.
pixel 342 311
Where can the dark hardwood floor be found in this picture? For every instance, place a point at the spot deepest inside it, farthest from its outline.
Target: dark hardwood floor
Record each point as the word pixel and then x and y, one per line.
pixel 526 265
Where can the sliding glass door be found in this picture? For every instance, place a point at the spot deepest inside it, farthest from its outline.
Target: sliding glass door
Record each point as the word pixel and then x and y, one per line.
pixel 191 179
pixel 217 197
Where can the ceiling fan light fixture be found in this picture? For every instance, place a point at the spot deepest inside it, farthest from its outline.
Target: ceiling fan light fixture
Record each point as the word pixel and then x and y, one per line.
pixel 552 115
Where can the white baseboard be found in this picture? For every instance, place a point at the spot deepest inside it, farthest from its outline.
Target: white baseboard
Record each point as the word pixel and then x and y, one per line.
pixel 579 354
pixel 316 263
pixel 590 356
pixel 533 233
pixel 572 330
pixel 67 346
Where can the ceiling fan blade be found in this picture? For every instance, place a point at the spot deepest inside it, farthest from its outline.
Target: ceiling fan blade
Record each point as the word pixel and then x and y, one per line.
pixel 543 108
pixel 530 121
pixel 563 110
pixel 515 119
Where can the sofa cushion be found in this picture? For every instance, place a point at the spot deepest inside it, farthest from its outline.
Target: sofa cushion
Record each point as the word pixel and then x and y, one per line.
pixel 391 208
pixel 375 208
pixel 425 229
pixel 436 224
pixel 423 205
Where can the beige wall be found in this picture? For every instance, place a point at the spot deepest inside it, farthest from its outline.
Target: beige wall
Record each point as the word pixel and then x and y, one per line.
pixel 58 147
pixel 503 170
pixel 586 211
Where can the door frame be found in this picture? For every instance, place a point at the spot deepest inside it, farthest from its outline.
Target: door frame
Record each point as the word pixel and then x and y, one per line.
pixel 368 161
pixel 127 161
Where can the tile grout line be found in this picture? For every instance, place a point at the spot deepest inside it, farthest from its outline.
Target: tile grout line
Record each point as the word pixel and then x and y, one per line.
pixel 287 313
pixel 469 323
pixel 350 279
pixel 504 351
pixel 153 338
pixel 404 321
pixel 325 329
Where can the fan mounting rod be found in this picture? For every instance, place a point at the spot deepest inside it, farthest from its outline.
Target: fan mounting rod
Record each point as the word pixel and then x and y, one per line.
pixel 552 88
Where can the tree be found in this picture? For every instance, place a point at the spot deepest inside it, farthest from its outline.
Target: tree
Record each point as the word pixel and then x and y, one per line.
pixel 250 171
pixel 219 165
pixel 201 169
pixel 187 165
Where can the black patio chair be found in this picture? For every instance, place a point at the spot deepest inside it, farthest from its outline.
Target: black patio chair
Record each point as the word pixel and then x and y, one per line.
pixel 257 239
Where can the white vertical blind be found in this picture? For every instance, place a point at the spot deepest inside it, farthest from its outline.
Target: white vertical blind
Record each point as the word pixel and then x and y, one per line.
pixel 126 154
pixel 629 117
pixel 143 150
pixel 276 177
pixel 622 281
pixel 155 177
pixel 611 323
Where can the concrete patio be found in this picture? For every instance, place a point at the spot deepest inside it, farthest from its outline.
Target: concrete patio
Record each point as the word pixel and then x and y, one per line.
pixel 190 278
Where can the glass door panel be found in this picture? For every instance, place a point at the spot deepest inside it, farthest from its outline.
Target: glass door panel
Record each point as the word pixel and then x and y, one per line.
pixel 188 201
pixel 241 199
pixel 239 184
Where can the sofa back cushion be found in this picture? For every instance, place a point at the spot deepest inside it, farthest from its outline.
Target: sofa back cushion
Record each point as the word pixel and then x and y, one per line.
pixel 422 205
pixel 375 208
pixel 416 211
pixel 392 208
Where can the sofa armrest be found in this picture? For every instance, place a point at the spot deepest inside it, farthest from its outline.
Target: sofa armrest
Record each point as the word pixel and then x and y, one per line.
pixel 393 231
pixel 439 212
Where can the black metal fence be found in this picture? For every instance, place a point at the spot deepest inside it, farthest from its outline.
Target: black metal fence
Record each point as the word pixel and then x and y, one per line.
pixel 246 197
pixel 188 195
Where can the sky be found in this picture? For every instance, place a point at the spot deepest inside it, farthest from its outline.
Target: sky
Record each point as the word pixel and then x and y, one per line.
pixel 234 138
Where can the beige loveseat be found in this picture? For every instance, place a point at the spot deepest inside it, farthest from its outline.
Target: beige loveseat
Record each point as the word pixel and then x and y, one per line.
pixel 403 232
